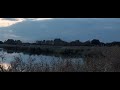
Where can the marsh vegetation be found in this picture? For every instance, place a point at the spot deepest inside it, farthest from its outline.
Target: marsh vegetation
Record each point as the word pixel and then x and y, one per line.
pixel 91 59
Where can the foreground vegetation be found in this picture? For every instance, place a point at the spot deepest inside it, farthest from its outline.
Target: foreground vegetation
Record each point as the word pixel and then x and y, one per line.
pixel 95 59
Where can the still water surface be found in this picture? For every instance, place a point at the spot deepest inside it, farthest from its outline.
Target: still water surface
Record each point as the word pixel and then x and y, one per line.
pixel 8 57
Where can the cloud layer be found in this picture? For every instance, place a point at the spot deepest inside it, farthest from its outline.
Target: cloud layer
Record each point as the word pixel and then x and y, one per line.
pixel 5 22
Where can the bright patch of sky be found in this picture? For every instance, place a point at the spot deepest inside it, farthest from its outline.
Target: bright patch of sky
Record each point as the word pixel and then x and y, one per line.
pixel 5 22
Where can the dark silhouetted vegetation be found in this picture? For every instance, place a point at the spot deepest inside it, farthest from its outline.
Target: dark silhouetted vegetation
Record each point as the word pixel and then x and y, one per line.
pixel 56 46
pixel 59 42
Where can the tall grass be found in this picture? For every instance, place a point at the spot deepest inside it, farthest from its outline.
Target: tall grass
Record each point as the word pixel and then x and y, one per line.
pixel 103 59
pixel 64 65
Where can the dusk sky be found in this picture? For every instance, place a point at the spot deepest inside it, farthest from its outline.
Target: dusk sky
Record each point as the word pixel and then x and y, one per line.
pixel 83 29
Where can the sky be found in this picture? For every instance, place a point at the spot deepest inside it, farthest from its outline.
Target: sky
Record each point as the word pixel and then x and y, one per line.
pixel 69 29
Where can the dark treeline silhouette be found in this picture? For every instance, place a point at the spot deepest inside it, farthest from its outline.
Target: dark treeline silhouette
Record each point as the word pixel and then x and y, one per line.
pixel 12 42
pixel 59 42
pixel 56 47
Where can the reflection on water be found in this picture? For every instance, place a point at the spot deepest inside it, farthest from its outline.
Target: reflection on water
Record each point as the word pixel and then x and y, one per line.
pixel 8 57
pixel 5 65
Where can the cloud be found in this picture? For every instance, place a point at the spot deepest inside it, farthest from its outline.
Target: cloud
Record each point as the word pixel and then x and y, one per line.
pixel 5 22
pixel 39 19
pixel 10 19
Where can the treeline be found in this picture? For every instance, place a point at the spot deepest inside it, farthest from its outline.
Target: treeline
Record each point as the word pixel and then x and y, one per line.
pixel 59 42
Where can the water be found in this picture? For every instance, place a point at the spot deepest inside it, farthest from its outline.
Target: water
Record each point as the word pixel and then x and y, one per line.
pixel 8 57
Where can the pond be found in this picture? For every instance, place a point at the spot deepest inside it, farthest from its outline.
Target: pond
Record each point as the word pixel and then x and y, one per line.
pixel 8 57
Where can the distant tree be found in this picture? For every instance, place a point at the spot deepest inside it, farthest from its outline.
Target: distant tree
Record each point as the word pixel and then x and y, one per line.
pixel 9 41
pixel 102 43
pixel 1 42
pixel 87 43
pixel 76 43
pixel 95 42
pixel 115 43
pixel 49 42
pixel 26 44
pixel 38 42
pixel 58 41
pixel 13 42
pixel 18 42
pixel 43 42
